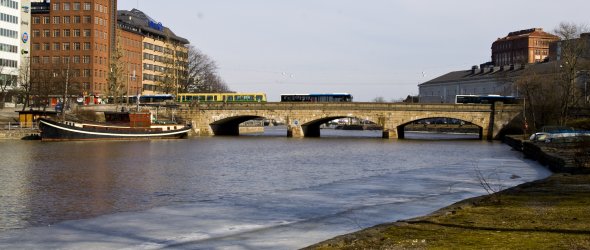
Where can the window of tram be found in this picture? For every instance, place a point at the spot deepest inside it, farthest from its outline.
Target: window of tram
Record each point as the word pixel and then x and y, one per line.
pixel 209 98
pixel 230 98
pixel 258 98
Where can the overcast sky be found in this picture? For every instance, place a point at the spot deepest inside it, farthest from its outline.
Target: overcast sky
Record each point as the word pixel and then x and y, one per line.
pixel 373 48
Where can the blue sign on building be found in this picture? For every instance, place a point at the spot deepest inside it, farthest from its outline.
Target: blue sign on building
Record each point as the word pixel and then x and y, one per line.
pixel 157 26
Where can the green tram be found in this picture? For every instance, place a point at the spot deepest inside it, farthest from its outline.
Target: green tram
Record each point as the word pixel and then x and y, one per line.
pixel 221 97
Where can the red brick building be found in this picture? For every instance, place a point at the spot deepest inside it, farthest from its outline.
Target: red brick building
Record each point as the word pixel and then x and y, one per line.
pixel 131 46
pixel 522 47
pixel 71 40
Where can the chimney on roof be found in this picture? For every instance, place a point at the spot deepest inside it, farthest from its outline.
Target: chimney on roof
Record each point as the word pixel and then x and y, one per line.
pixel 502 68
pixel 473 69
pixel 492 69
pixel 511 66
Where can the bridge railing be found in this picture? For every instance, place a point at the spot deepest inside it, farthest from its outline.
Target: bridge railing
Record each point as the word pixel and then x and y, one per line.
pixel 348 106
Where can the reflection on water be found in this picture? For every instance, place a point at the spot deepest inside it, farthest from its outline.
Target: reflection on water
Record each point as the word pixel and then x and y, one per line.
pixel 45 183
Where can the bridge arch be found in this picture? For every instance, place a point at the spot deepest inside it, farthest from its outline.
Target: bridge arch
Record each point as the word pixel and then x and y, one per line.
pixel 401 128
pixel 231 125
pixel 311 128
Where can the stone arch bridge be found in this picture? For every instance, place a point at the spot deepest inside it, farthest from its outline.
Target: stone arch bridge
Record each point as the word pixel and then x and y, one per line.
pixel 304 119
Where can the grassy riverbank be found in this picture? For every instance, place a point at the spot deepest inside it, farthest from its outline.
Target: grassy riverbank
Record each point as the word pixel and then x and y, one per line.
pixel 553 213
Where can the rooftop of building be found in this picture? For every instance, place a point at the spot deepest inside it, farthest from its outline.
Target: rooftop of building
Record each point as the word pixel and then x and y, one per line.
pixel 533 32
pixel 487 71
pixel 146 25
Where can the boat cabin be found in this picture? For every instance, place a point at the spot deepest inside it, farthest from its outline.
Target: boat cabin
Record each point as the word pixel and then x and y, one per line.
pixel 131 119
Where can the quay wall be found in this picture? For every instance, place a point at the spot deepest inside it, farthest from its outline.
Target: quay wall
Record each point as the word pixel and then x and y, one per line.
pixel 18 134
pixel 564 156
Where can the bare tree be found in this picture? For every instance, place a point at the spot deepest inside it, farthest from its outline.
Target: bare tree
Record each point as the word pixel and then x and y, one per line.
pixel 6 81
pixel 571 50
pixel 202 75
pixel 43 85
pixel 24 80
pixel 117 76
pixel 65 85
pixel 542 96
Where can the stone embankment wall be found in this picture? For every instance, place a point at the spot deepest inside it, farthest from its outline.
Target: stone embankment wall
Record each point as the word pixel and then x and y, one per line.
pixel 564 156
pixel 18 134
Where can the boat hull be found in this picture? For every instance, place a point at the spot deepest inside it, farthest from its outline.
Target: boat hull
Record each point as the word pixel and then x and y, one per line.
pixel 57 131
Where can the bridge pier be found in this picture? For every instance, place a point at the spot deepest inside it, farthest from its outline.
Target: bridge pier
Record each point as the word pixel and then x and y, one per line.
pixel 295 131
pixel 389 134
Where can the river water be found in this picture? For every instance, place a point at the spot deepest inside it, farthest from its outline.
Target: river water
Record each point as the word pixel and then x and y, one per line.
pixel 249 192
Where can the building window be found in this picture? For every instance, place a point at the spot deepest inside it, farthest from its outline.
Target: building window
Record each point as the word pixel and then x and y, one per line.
pixel 76 33
pixel 66 33
pixel 87 46
pixel 66 60
pixel 76 59
pixel 8 48
pixel 36 20
pixel 66 6
pixel 87 33
pixel 66 46
pixel 66 19
pixel 86 59
pixel 56 46
pixel 87 19
pixel 76 6
pixel 56 6
pixel 56 33
pixel 46 33
pixel 77 46
pixel 45 46
pixel 87 6
pixel 46 20
pixel 56 20
pixel 77 19
pixel 36 33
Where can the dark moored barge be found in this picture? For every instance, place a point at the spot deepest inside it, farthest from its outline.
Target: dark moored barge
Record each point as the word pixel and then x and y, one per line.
pixel 118 126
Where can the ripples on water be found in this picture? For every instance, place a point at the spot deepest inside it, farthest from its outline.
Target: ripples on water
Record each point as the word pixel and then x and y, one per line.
pixel 45 183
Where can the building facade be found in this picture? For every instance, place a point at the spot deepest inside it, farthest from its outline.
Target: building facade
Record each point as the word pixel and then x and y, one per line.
pixel 582 43
pixel 11 38
pixel 165 55
pixel 522 47
pixel 71 41
pixel 477 81
pixel 130 44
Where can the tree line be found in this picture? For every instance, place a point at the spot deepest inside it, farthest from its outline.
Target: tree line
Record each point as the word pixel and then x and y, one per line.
pixel 558 94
